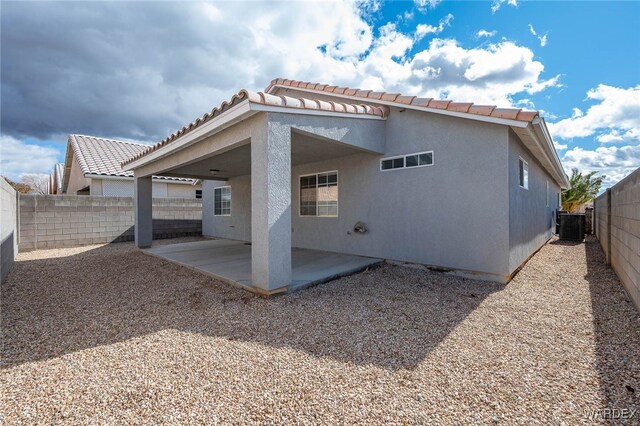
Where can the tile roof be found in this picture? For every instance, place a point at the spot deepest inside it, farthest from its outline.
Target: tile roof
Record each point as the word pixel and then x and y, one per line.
pixel 464 107
pixel 270 100
pixel 98 156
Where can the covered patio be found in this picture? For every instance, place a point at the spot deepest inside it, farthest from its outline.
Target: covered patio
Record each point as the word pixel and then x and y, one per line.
pixel 230 261
pixel 261 136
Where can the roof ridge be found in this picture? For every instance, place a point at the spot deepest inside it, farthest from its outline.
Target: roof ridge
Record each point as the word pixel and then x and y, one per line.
pixel 110 140
pixel 508 113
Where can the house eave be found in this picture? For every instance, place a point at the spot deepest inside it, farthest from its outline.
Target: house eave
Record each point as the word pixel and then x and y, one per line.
pixel 537 139
pixel 483 118
pixel 229 118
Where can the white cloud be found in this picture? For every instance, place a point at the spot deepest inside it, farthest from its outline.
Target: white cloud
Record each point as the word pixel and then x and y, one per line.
pixel 18 158
pixel 424 29
pixel 485 33
pixel 615 118
pixel 495 6
pixel 541 38
pixel 423 5
pixel 206 52
pixel 612 161
pixel 487 74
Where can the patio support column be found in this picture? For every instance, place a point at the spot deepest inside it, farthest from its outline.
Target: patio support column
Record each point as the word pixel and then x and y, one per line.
pixel 271 207
pixel 143 210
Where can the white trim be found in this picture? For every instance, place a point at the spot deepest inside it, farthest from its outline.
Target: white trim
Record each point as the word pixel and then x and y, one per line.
pixel 433 161
pixel 541 124
pixel 488 119
pixel 526 180
pixel 214 200
pixel 316 175
pixel 307 111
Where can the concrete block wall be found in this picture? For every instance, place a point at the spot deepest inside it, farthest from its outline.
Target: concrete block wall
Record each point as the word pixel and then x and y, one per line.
pixel 8 228
pixel 601 222
pixel 54 221
pixel 619 231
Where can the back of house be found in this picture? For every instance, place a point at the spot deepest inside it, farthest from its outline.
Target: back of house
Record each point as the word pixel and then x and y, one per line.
pixel 459 186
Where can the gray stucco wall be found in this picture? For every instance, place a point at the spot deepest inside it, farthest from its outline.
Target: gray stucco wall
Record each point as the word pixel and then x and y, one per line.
pixel 451 214
pixel 8 228
pixel 238 225
pixel 77 181
pixel 531 221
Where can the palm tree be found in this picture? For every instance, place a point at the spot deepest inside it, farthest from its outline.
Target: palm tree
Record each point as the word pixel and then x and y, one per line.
pixel 584 188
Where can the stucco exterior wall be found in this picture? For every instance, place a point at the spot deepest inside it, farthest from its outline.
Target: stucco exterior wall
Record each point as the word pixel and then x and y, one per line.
pixel 77 181
pixel 238 225
pixel 8 228
pixel 531 221
pixel 418 215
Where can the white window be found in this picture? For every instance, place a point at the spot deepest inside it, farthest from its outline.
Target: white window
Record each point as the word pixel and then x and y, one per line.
pixel 547 193
pixel 418 159
pixel 222 201
pixel 319 194
pixel 523 171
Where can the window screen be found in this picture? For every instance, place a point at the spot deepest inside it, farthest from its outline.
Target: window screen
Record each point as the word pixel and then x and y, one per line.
pixel 222 201
pixel 319 195
pixel 418 159
pixel 523 173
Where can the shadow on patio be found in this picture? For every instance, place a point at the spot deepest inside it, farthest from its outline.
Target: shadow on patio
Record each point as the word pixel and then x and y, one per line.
pixel 391 317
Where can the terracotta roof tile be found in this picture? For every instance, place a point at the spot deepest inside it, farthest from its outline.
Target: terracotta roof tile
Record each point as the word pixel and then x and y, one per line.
pixel 481 109
pixel 265 99
pixel 405 99
pixel 390 97
pixel 423 102
pixel 439 104
pixel 508 113
pixel 460 106
pixel 464 107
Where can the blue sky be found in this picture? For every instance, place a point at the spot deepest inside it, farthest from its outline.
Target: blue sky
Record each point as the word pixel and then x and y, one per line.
pixel 139 70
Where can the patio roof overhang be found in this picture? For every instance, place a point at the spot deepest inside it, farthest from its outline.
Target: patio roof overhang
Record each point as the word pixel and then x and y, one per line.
pixel 254 103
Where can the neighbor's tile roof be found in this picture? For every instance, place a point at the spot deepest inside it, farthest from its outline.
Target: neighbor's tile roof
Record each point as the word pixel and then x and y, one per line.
pixel 371 96
pixel 98 156
pixel 266 99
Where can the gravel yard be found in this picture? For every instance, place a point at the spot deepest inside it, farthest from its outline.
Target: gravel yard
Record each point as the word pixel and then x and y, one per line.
pixel 107 334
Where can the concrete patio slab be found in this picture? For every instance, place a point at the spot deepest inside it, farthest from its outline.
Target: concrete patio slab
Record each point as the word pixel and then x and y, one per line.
pixel 230 261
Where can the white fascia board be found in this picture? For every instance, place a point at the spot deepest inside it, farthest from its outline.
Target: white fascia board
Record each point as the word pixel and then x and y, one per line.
pixel 155 179
pixel 358 99
pixel 306 111
pixel 549 153
pixel 544 138
pixel 215 125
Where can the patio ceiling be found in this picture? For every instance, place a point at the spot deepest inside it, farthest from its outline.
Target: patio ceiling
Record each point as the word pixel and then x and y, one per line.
pixel 305 148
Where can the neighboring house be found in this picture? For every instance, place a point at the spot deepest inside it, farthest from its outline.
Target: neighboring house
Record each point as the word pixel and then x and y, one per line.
pixel 457 186
pixel 55 179
pixel 92 167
